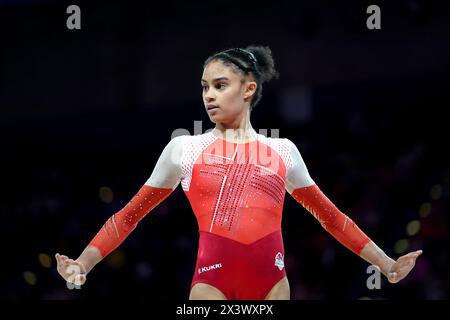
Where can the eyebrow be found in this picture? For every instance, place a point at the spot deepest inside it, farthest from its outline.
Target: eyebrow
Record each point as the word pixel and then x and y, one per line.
pixel 216 79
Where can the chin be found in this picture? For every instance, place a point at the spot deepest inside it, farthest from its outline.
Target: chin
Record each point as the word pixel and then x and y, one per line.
pixel 215 119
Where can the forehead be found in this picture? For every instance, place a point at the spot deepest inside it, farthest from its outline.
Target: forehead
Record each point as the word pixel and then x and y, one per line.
pixel 216 69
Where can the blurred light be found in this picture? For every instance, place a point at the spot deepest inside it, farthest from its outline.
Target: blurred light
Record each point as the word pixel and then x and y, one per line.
pixel 30 278
pixel 106 194
pixel 425 210
pixel 116 259
pixel 143 270
pixel 45 260
pixel 364 298
pixel 413 227
pixel 436 192
pixel 401 246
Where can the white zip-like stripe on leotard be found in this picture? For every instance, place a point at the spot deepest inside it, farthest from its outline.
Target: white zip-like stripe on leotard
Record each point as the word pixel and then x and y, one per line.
pixel 217 204
pixel 220 193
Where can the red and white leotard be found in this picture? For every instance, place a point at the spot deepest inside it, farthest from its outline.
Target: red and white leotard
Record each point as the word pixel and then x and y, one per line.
pixel 236 191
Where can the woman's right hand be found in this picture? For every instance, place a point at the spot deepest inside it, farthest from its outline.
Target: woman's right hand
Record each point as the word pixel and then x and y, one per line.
pixel 71 270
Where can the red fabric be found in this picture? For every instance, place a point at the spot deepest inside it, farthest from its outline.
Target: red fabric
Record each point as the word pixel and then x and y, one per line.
pixel 122 223
pixel 237 193
pixel 240 198
pixel 240 271
pixel 334 221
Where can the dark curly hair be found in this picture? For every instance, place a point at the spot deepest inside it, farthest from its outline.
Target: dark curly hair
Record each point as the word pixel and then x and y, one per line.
pixel 255 60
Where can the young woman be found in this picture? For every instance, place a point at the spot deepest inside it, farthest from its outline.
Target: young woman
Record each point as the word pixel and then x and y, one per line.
pixel 235 180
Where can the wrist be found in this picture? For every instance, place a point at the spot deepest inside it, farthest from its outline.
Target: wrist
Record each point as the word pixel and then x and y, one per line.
pixel 89 258
pixel 387 266
pixel 377 257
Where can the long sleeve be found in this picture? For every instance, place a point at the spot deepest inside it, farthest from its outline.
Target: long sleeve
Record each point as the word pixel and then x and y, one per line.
pixel 304 190
pixel 164 179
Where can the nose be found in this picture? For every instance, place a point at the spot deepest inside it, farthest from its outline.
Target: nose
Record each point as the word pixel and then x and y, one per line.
pixel 208 96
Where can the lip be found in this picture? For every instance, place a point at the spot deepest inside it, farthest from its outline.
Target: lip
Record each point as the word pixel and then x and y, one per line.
pixel 211 107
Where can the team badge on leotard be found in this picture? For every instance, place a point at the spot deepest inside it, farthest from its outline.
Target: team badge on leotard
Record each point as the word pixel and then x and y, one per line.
pixel 279 260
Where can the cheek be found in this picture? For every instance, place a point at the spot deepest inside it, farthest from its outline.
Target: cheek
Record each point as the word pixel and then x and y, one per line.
pixel 233 96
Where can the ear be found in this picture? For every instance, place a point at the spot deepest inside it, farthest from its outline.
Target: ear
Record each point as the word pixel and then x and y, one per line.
pixel 250 89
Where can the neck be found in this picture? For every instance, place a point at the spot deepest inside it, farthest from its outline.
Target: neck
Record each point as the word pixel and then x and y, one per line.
pixel 240 130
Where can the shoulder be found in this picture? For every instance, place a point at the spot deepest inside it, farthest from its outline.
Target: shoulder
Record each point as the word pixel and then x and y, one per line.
pixel 281 145
pixel 175 144
pixel 186 139
pixel 198 141
pixel 191 146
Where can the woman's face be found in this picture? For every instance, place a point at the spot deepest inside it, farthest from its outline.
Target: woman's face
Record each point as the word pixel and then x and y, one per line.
pixel 225 95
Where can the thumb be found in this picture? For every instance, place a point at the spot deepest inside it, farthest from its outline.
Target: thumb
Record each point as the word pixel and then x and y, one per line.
pixel 392 276
pixel 80 279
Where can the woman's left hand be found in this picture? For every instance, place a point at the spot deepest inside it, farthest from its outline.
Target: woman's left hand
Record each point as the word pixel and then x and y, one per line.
pixel 403 266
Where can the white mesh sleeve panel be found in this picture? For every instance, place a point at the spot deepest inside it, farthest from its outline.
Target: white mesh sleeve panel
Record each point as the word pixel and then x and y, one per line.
pixel 167 172
pixel 281 146
pixel 297 173
pixel 276 144
pixel 193 147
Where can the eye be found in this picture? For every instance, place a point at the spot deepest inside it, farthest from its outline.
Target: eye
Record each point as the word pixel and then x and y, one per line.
pixel 220 85
pixel 204 88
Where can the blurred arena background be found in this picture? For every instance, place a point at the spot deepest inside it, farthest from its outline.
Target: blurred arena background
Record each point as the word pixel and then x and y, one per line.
pixel 85 114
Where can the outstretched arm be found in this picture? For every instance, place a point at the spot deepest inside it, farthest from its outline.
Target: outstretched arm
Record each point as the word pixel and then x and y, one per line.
pixel 164 179
pixel 304 190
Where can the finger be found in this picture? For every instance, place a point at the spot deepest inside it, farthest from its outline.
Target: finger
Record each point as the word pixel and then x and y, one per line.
pixel 392 277
pixel 63 260
pixel 60 261
pixel 408 257
pixel 415 253
pixel 414 258
pixel 80 279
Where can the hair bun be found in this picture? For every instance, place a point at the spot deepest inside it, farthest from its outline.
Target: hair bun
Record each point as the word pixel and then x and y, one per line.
pixel 265 62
